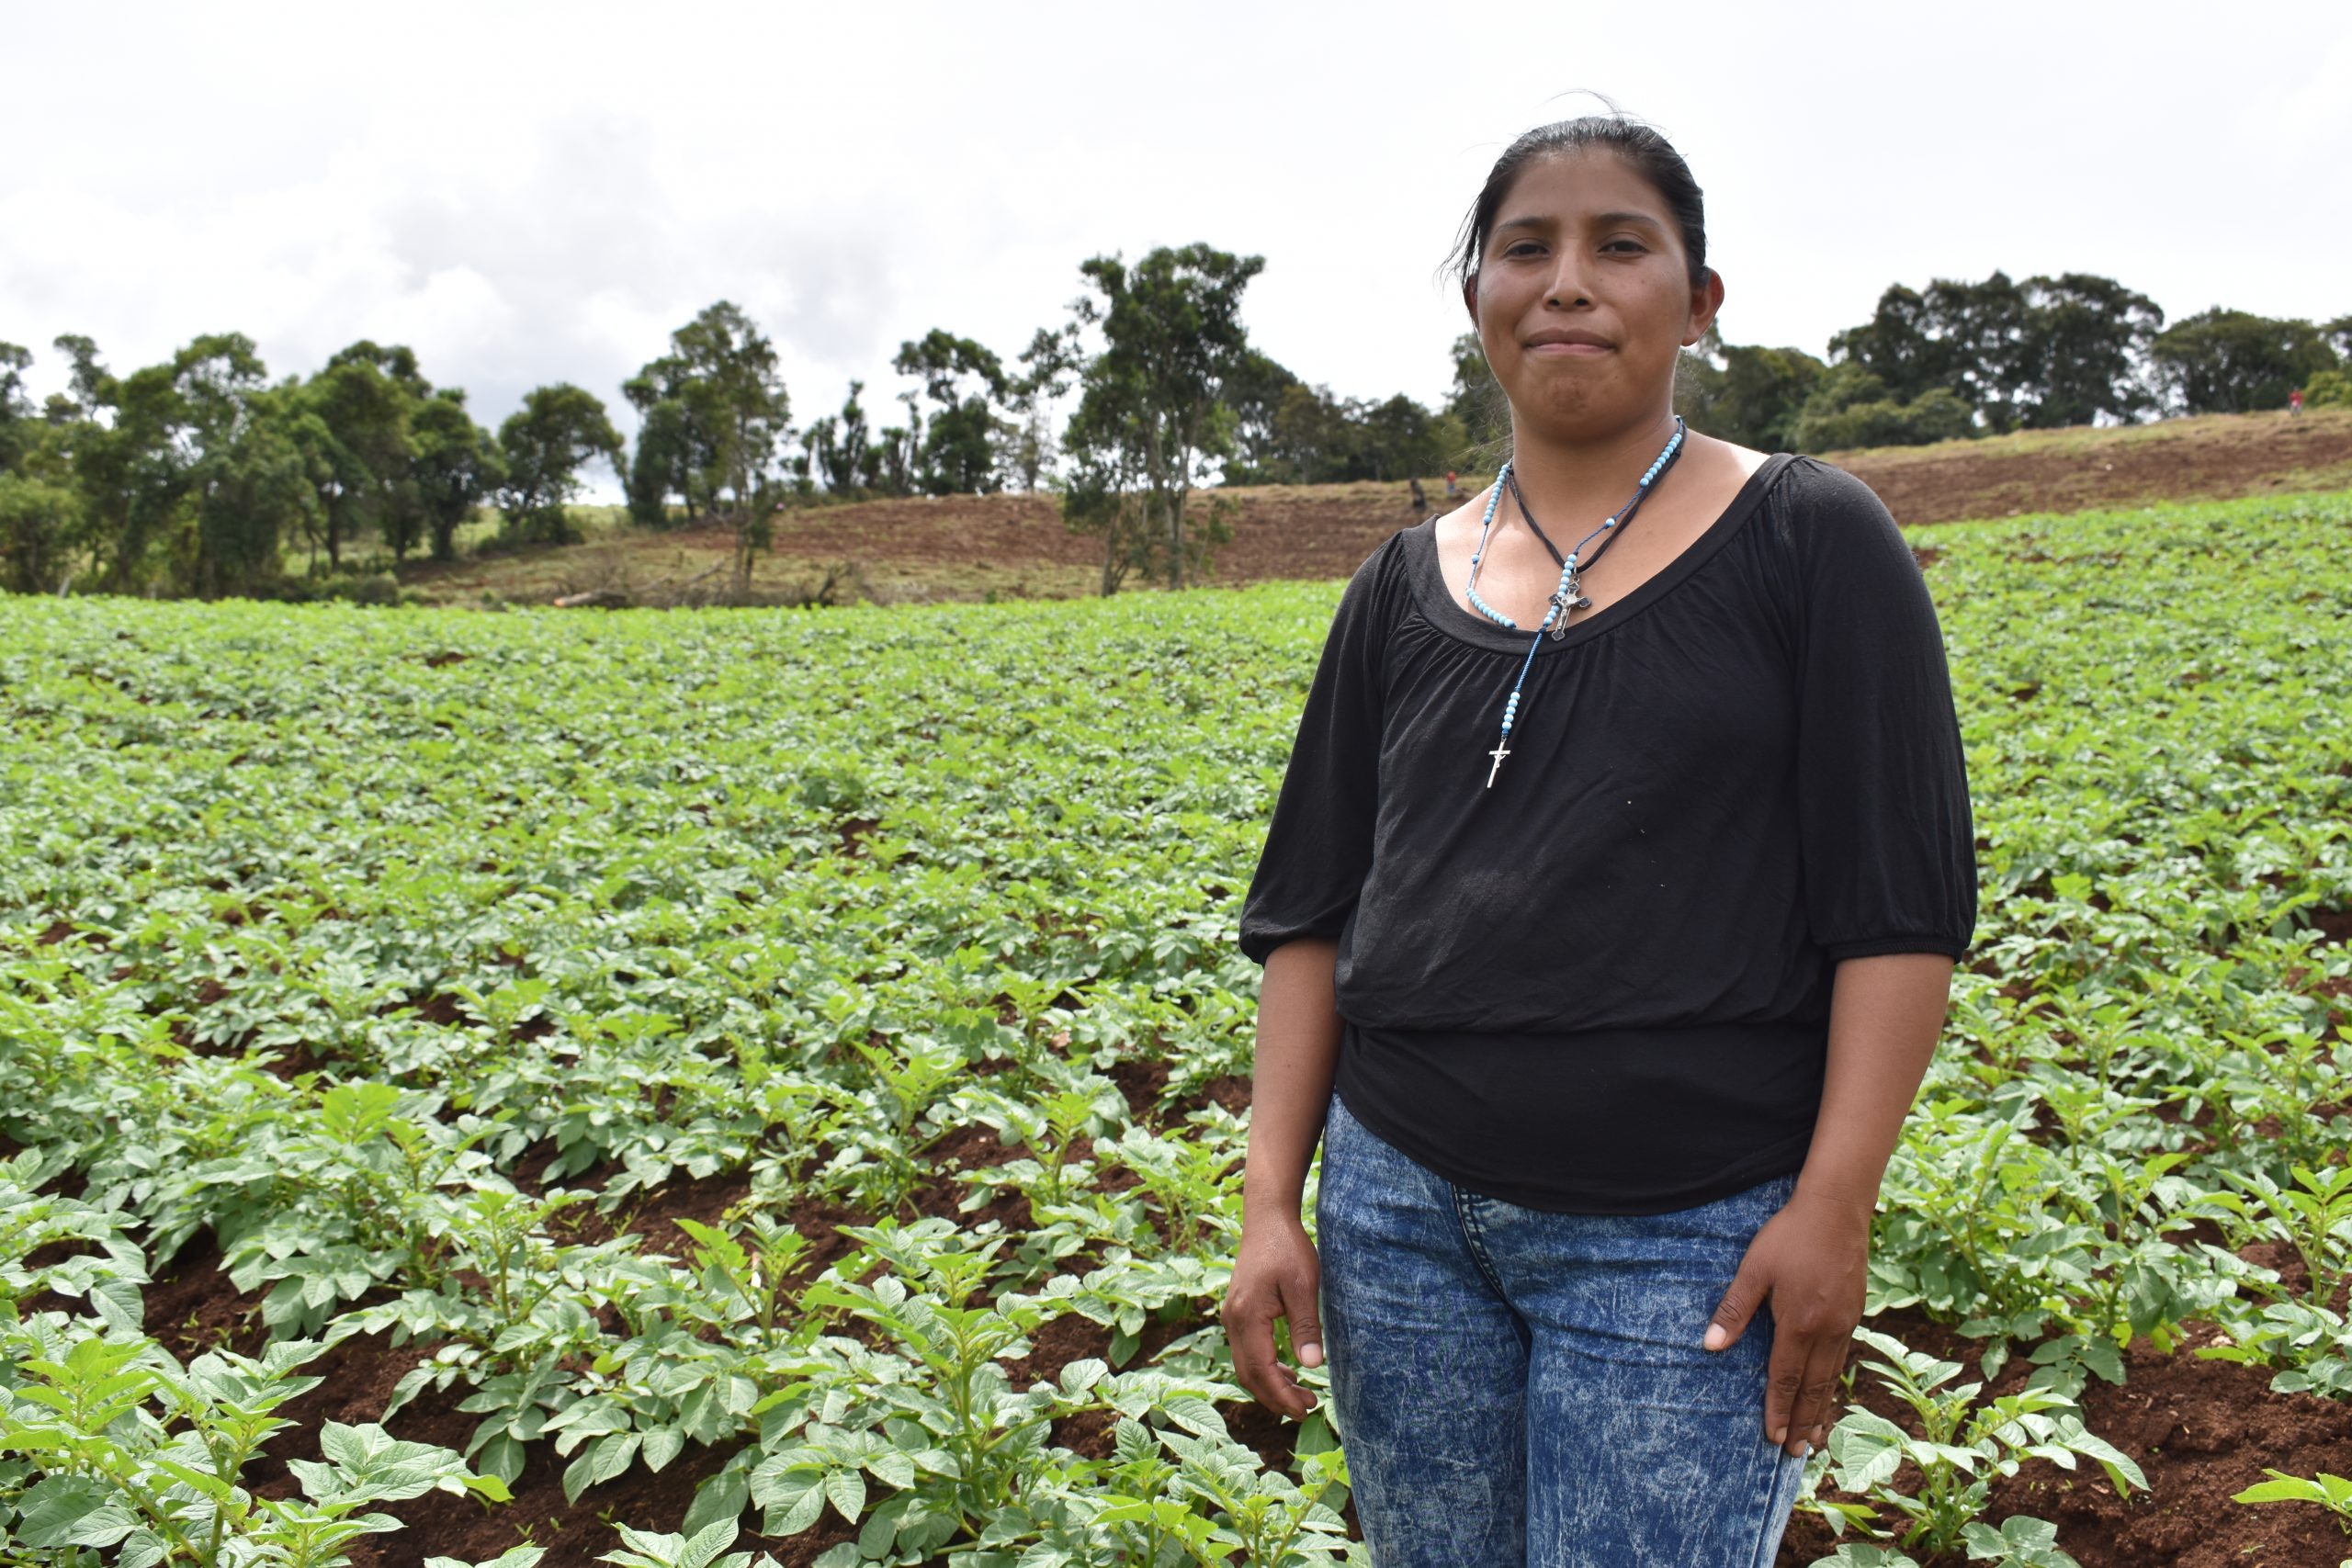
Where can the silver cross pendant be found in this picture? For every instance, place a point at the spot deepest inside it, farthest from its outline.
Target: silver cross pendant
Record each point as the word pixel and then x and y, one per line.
pixel 1572 597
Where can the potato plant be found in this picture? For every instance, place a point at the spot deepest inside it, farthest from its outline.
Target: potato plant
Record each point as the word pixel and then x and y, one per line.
pixel 402 955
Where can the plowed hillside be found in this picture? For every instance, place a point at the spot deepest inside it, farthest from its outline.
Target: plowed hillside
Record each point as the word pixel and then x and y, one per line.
pixel 1323 531
pixel 1014 545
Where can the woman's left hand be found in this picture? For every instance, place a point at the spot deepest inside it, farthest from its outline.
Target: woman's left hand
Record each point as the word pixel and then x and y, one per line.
pixel 1812 1259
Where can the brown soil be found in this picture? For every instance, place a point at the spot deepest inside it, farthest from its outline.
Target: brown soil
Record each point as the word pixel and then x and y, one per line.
pixel 943 547
pixel 1325 531
pixel 2217 457
pixel 2201 1431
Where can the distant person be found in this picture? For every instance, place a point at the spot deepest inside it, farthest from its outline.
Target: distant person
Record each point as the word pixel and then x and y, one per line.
pixel 1453 486
pixel 1421 500
pixel 1607 1031
pixel 2294 403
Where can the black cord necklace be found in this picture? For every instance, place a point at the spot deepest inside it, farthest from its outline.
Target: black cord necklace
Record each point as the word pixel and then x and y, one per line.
pixel 1569 595
pixel 1614 526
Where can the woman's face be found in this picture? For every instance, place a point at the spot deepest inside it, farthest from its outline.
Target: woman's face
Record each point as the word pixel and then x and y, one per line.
pixel 1583 297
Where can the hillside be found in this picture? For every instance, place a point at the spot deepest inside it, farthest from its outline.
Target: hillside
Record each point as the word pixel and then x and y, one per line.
pixel 936 547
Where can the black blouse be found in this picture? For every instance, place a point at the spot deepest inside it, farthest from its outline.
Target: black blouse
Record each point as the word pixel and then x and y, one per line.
pixel 1602 986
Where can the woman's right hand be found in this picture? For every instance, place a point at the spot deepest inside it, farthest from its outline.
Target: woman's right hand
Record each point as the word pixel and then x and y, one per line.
pixel 1275 1274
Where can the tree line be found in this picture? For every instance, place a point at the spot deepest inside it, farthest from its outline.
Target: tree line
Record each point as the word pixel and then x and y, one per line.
pixel 198 475
pixel 1959 359
pixel 203 476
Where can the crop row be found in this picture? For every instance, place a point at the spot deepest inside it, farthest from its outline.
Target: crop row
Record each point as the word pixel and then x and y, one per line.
pixel 400 956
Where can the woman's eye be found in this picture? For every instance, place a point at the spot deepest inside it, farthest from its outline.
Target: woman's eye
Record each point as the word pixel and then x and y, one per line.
pixel 1634 245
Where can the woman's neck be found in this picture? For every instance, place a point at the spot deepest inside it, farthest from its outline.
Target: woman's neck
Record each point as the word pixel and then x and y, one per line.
pixel 1568 477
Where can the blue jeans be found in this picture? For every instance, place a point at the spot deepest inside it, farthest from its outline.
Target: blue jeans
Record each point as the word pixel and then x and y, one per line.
pixel 1516 1387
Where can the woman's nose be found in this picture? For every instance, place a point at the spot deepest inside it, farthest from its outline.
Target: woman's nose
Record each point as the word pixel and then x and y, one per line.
pixel 1568 282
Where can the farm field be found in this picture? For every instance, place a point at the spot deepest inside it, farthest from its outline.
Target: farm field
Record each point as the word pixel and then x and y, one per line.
pixel 934 548
pixel 473 1083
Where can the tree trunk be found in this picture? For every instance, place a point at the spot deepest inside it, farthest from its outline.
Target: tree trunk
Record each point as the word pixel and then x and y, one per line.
pixel 742 549
pixel 1155 476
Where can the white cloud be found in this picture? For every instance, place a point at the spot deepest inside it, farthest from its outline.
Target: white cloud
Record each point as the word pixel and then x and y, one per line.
pixel 531 192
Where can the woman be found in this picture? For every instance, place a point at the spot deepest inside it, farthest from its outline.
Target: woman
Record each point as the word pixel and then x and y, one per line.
pixel 1608 913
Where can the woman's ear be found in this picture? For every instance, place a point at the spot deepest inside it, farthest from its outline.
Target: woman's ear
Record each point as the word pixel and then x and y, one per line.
pixel 1470 298
pixel 1706 300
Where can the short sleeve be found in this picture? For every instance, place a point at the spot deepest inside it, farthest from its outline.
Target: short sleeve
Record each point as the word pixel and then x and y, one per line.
pixel 1888 841
pixel 1319 846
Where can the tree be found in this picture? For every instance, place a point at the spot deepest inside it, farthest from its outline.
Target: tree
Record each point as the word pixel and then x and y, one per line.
pixel 2223 361
pixel 1746 393
pixel 715 414
pixel 141 447
pixel 1050 366
pixel 1255 392
pixel 1156 394
pixel 1106 497
pixel 1851 406
pixel 965 381
pixel 1313 437
pixel 2047 352
pixel 17 419
pixel 676 455
pixel 668 460
pixel 735 397
pixel 836 445
pixel 356 456
pixel 456 464
pixel 1399 439
pixel 89 387
pixel 41 515
pixel 116 470
pixel 2085 351
pixel 1478 402
pixel 38 524
pixel 1964 338
pixel 559 430
pixel 184 476
pixel 251 491
pixel 2338 333
pixel 1900 347
pixel 893 460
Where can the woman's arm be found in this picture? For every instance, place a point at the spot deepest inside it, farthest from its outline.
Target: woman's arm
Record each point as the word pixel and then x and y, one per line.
pixel 1811 1258
pixel 1276 1274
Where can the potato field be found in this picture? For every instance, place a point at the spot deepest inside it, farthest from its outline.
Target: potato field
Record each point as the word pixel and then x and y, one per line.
pixel 737 1086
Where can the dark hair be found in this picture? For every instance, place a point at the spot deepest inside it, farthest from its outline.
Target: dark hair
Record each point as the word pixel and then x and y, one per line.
pixel 1652 156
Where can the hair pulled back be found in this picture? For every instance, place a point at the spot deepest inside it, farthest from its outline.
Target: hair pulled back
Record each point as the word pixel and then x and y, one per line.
pixel 1651 156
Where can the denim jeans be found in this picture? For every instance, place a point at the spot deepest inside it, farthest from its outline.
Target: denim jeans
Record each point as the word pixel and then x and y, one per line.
pixel 1519 1387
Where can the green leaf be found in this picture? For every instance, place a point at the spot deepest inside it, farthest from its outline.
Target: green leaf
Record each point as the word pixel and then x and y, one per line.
pixel 1867 1450
pixel 663 1445
pixel 722 1496
pixel 524 1556
pixel 847 1489
pixel 73 1510
pixel 1195 1414
pixel 707 1543
pixel 2293 1489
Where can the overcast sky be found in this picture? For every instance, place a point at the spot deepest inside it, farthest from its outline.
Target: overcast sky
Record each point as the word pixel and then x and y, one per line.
pixel 530 193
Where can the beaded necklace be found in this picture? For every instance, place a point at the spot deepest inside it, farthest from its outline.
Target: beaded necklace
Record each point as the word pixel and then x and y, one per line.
pixel 1569 594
